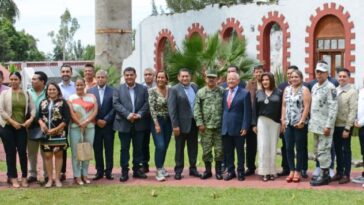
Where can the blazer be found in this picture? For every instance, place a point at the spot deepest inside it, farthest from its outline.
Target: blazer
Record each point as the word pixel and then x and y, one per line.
pixel 123 107
pixel 179 108
pixel 6 106
pixel 106 110
pixel 239 115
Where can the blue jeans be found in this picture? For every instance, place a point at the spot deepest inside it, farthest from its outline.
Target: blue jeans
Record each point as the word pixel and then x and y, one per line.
pixel 161 140
pixel 343 152
pixel 295 137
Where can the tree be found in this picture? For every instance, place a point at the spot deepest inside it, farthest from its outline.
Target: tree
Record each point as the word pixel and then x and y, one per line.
pixel 17 45
pixel 88 53
pixel 154 9
pixel 8 10
pixel 63 40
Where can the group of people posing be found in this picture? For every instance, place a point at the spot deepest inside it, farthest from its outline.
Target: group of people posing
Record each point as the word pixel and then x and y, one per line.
pixel 224 116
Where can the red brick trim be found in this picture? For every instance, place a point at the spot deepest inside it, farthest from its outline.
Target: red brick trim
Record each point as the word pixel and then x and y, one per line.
pixel 196 28
pixel 263 38
pixel 229 25
pixel 338 11
pixel 163 35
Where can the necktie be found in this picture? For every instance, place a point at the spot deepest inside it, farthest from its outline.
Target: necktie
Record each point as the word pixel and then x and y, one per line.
pixel 230 98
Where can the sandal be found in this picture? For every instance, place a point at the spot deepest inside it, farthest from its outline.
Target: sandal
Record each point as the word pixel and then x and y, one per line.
pixel 296 177
pixel 85 180
pixel 290 177
pixel 14 182
pixel 265 178
pixel 78 181
pixel 48 184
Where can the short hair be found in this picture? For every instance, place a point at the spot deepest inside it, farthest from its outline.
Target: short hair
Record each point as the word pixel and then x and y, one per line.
pixel 165 74
pixel 236 75
pixel 150 70
pixel 184 70
pixel 89 65
pixel 16 73
pixel 299 73
pixel 293 67
pixel 129 69
pixel 322 61
pixel 258 67
pixel 101 72
pixel 338 70
pixel 233 66
pixel 57 87
pixel 42 76
pixel 272 83
pixel 66 66
pixel 1 74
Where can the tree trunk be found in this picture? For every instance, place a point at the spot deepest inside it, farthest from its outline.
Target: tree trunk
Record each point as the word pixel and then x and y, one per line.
pixel 113 32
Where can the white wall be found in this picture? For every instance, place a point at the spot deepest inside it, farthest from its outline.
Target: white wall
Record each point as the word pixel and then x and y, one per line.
pixel 297 13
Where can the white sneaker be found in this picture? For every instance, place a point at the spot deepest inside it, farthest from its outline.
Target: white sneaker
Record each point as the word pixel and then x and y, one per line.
pixel 358 180
pixel 159 176
pixel 165 172
pixel 316 172
pixel 332 173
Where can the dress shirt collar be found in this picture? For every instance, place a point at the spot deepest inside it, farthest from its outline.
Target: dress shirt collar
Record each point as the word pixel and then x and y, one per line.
pixel 130 87
pixel 71 83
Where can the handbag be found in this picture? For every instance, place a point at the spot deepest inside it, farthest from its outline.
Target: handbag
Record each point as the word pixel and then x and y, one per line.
pixel 84 150
pixel 36 134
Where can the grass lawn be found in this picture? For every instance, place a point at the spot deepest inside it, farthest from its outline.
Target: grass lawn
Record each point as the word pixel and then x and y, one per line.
pixel 120 194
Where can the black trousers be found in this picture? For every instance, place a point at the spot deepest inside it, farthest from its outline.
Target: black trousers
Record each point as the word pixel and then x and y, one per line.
pixel 136 137
pixel 284 163
pixel 192 148
pixel 296 138
pixel 361 141
pixel 64 157
pixel 251 149
pixel 146 152
pixel 15 141
pixel 342 151
pixel 104 142
pixel 232 143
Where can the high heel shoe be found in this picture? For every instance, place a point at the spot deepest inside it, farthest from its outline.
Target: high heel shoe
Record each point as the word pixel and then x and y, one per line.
pixel 14 182
pixel 24 182
pixel 290 177
pixel 78 181
pixel 297 177
pixel 49 184
pixel 85 180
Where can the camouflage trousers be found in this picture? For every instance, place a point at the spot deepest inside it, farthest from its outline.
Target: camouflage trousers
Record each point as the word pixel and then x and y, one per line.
pixel 322 149
pixel 210 139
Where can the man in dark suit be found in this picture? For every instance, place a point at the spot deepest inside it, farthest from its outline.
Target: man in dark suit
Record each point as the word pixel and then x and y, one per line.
pixel 236 120
pixel 130 102
pixel 104 134
pixel 181 100
pixel 233 69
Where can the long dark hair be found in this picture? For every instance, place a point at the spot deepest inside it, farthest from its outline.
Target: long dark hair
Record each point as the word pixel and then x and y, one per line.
pixel 272 82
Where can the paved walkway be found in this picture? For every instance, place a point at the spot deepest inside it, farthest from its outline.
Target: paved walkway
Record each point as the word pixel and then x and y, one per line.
pixel 250 182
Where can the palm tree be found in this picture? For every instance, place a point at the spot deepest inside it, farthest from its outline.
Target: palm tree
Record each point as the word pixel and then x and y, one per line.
pixel 198 55
pixel 8 10
pixel 113 75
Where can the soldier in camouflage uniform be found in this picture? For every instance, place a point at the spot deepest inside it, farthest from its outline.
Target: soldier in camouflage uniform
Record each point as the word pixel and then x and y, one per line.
pixel 322 122
pixel 207 113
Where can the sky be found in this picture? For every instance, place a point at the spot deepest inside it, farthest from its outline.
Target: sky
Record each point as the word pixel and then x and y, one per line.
pixel 39 17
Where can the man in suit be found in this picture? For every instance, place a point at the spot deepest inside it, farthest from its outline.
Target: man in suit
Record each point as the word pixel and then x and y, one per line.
pixel 236 122
pixel 181 100
pixel 130 102
pixel 233 69
pixel 104 134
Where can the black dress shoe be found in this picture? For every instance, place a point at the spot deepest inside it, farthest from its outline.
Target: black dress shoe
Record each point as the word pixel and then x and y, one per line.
pixel 97 177
pixel 219 176
pixel 195 173
pixel 336 177
pixel 304 174
pixel 283 173
pixel 249 172
pixel 109 177
pixel 206 175
pixel 62 177
pixel 229 176
pixel 32 179
pixel 178 176
pixel 241 176
pixel 124 177
pixel 139 174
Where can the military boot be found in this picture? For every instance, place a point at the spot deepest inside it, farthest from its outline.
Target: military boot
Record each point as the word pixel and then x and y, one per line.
pixel 218 170
pixel 207 173
pixel 323 179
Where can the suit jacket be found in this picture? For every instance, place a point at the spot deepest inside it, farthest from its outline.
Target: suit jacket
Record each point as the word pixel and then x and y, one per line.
pixel 239 115
pixel 106 110
pixel 123 107
pixel 179 107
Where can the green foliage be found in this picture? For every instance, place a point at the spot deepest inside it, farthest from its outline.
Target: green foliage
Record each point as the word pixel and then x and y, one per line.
pixel 63 39
pixel 113 75
pixel 280 76
pixel 214 53
pixel 178 6
pixel 12 68
pixel 8 10
pixel 17 45
pixel 154 8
